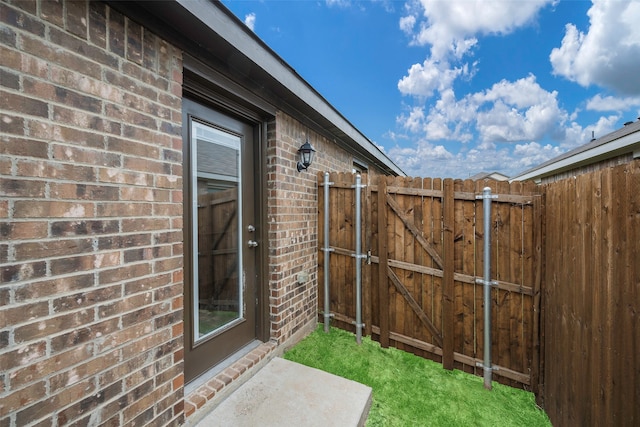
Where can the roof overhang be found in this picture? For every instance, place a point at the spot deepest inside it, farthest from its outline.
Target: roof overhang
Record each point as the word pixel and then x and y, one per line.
pixel 582 156
pixel 208 31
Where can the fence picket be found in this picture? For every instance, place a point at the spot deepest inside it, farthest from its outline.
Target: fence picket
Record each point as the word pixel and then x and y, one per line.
pixel 468 268
pixel 383 282
pixel 448 297
pixel 516 307
pixel 427 293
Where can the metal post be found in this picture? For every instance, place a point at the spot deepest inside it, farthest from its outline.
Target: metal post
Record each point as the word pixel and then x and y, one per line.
pixel 486 204
pixel 327 252
pixel 358 256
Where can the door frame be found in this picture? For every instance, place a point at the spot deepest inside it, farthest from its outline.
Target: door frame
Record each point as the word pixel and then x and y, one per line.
pixel 206 92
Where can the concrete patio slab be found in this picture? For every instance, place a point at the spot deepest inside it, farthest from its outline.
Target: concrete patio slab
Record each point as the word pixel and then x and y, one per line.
pixel 285 393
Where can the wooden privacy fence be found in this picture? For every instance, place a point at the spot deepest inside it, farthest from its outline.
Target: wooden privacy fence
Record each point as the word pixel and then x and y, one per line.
pixel 591 299
pixel 218 250
pixel 424 244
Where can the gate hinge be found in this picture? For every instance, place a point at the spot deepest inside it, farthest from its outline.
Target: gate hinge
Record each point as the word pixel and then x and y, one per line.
pixel 480 281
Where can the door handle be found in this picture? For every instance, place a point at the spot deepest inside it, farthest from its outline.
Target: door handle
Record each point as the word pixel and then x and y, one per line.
pixel 252 243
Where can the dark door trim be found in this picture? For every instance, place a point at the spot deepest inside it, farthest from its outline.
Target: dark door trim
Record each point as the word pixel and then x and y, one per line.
pixel 207 86
pixel 205 93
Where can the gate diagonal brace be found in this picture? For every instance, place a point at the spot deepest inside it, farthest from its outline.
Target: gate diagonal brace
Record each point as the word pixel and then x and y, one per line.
pixel 480 281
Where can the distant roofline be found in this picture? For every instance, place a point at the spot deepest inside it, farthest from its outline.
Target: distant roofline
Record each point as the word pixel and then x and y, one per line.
pixel 623 140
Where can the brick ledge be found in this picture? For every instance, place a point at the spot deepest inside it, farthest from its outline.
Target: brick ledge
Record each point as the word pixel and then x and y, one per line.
pixel 223 381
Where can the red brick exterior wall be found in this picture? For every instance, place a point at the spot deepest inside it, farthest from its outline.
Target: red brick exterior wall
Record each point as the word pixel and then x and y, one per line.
pixel 90 218
pixel 91 223
pixel 293 222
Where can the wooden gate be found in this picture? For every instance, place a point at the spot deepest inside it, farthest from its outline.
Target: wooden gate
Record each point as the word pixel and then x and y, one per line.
pixel 424 241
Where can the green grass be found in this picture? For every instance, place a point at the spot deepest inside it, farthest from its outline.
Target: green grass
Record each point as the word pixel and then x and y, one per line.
pixel 412 391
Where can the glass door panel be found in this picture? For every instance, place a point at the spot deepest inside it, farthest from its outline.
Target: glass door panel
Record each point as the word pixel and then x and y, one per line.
pixel 217 217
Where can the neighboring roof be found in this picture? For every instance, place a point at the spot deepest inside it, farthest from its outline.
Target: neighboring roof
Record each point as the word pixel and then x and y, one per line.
pixel 489 175
pixel 622 141
pixel 245 59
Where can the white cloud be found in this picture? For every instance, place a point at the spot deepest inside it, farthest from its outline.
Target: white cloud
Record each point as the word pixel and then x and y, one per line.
pixel 576 135
pixel 518 111
pixel 513 124
pixel 432 160
pixel 338 3
pixel 427 159
pixel 450 118
pixel 450 27
pixel 500 129
pixel 250 21
pixel 414 121
pixel 507 112
pixel 423 79
pixel 531 154
pixel 424 159
pixel 611 103
pixel 407 23
pixel 522 93
pixel 608 54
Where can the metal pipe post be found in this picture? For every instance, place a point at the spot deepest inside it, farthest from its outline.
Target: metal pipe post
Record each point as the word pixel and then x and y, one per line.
pixel 358 256
pixel 486 204
pixel 327 251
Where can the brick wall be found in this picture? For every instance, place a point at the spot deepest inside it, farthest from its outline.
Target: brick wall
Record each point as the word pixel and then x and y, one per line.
pixel 90 218
pixel 293 222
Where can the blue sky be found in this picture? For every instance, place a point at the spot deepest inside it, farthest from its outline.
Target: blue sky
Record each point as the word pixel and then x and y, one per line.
pixel 453 88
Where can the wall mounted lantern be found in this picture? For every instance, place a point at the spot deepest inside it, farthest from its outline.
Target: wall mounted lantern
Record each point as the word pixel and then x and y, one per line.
pixel 306 152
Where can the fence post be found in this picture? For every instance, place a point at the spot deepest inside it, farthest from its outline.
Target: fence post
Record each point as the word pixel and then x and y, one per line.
pixel 448 267
pixel 487 283
pixel 358 256
pixel 366 271
pixel 327 251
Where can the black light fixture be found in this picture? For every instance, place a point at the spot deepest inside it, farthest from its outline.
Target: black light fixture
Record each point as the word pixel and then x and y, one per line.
pixel 306 152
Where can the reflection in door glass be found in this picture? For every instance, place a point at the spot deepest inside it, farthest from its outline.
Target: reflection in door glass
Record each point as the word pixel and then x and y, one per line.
pixel 217 219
